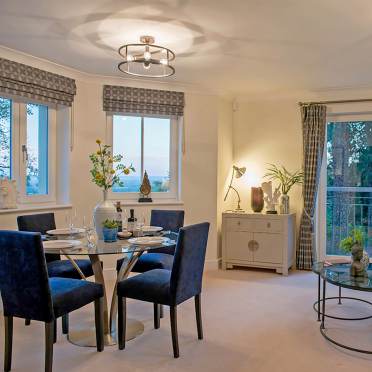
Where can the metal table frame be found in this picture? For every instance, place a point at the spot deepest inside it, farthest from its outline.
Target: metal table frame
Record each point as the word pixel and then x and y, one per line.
pixel 321 302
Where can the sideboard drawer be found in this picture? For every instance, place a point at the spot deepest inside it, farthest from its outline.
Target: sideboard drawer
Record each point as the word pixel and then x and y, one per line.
pixel 239 224
pixel 268 226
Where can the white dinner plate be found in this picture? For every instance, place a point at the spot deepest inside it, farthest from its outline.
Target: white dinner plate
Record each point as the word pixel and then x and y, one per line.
pixel 151 229
pixel 60 244
pixel 66 231
pixel 148 240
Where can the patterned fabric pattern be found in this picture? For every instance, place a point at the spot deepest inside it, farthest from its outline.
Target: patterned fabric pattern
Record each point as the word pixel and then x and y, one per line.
pixel 142 101
pixel 26 81
pixel 313 129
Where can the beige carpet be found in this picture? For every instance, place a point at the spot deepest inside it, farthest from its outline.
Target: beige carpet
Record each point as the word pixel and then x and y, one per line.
pixel 253 321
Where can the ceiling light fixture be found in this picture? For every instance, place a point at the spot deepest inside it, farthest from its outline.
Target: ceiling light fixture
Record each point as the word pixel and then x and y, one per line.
pixel 146 59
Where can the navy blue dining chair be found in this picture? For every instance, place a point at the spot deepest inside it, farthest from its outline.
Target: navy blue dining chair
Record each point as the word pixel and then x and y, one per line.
pixel 170 288
pixel 42 223
pixel 28 292
pixel 160 258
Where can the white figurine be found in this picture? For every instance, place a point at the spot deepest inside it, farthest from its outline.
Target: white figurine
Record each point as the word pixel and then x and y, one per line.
pixel 270 199
pixel 8 194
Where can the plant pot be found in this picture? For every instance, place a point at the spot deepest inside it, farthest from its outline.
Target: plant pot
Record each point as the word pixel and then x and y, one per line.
pixel 110 235
pixel 103 211
pixel 257 199
pixel 284 204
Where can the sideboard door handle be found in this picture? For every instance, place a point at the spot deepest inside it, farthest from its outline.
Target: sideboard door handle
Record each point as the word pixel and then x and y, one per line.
pixel 268 225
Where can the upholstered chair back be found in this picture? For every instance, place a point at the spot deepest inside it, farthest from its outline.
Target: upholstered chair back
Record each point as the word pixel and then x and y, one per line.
pixel 41 223
pixel 170 221
pixel 188 264
pixel 24 283
pixel 167 219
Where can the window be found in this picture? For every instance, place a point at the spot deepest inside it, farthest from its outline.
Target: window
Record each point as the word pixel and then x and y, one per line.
pixel 348 182
pixel 27 148
pixel 151 145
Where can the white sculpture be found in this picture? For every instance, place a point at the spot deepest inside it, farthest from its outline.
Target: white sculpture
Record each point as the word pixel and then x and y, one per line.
pixel 270 199
pixel 8 194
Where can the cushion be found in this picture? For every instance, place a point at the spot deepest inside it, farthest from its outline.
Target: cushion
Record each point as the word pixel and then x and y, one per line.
pixel 65 269
pixel 71 294
pixel 152 286
pixel 150 261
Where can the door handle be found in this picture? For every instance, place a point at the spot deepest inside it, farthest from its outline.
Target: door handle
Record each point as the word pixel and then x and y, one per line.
pixel 24 153
pixel 253 245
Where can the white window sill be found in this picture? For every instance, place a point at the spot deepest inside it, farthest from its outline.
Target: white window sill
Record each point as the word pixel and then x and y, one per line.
pixel 135 203
pixel 39 207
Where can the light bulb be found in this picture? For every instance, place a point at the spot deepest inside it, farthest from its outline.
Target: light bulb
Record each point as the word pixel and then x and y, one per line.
pixel 146 65
pixel 130 58
pixel 164 61
pixel 147 55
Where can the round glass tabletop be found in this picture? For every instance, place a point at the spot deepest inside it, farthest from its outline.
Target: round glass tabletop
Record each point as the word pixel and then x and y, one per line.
pixel 339 274
pixel 102 248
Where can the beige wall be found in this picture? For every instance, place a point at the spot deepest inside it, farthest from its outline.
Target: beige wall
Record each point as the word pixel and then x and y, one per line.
pixel 267 132
pixel 199 163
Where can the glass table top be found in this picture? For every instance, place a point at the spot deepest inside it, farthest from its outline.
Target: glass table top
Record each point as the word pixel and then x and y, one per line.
pixel 339 274
pixel 102 248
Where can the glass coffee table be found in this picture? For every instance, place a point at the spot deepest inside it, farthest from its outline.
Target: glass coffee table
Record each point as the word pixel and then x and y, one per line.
pixel 83 336
pixel 339 275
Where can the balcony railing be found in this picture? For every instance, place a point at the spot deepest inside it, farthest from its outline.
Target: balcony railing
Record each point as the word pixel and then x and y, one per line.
pixel 348 207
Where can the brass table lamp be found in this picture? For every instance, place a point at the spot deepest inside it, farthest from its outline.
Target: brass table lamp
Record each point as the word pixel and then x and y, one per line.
pixel 237 172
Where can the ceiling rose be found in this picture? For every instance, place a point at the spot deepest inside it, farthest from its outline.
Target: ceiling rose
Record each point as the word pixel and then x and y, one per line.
pixel 146 59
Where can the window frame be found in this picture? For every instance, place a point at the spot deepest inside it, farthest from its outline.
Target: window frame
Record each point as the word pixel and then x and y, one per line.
pixel 174 192
pixel 321 210
pixel 19 138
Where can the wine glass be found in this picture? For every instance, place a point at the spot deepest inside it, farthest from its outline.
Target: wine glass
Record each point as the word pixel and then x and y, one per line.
pixel 141 222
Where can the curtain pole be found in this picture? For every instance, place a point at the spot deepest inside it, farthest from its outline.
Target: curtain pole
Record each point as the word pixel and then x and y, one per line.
pixel 335 102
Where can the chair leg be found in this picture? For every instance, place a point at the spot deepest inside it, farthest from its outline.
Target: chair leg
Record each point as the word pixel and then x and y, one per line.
pixel 98 314
pixel 173 318
pixel 65 324
pixel 161 311
pixel 8 324
pixel 49 338
pixel 122 321
pixel 27 322
pixel 157 316
pixel 199 323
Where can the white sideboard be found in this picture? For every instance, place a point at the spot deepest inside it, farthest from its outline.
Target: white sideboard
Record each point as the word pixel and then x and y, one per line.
pixel 258 240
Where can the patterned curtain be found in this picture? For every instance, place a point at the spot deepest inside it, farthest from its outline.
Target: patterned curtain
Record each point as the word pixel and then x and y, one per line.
pixel 142 101
pixel 313 129
pixel 26 81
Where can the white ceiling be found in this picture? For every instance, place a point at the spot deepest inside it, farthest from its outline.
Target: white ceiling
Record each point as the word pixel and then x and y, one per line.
pixel 235 46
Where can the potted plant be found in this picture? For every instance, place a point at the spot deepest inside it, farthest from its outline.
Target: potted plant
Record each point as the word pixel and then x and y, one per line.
pixel 286 181
pixel 106 172
pixel 110 231
pixel 354 244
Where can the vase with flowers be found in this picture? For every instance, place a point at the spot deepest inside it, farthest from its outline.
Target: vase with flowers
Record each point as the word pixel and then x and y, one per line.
pixel 286 181
pixel 106 172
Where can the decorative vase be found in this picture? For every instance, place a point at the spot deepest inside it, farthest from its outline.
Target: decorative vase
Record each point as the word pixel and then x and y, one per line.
pixel 103 211
pixel 284 204
pixel 257 199
pixel 110 235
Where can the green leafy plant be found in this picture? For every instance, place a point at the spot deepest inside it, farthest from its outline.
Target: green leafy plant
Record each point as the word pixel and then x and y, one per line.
pixel 105 173
pixel 286 178
pixel 110 224
pixel 356 236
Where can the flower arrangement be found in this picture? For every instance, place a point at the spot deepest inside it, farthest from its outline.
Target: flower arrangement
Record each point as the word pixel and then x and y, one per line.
pixel 110 224
pixel 356 237
pixel 286 178
pixel 105 173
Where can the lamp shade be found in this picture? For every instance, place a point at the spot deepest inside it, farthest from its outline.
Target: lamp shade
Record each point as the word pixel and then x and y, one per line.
pixel 239 171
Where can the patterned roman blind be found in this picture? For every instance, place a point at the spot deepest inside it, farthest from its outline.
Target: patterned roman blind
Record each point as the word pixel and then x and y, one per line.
pixel 143 101
pixel 26 81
